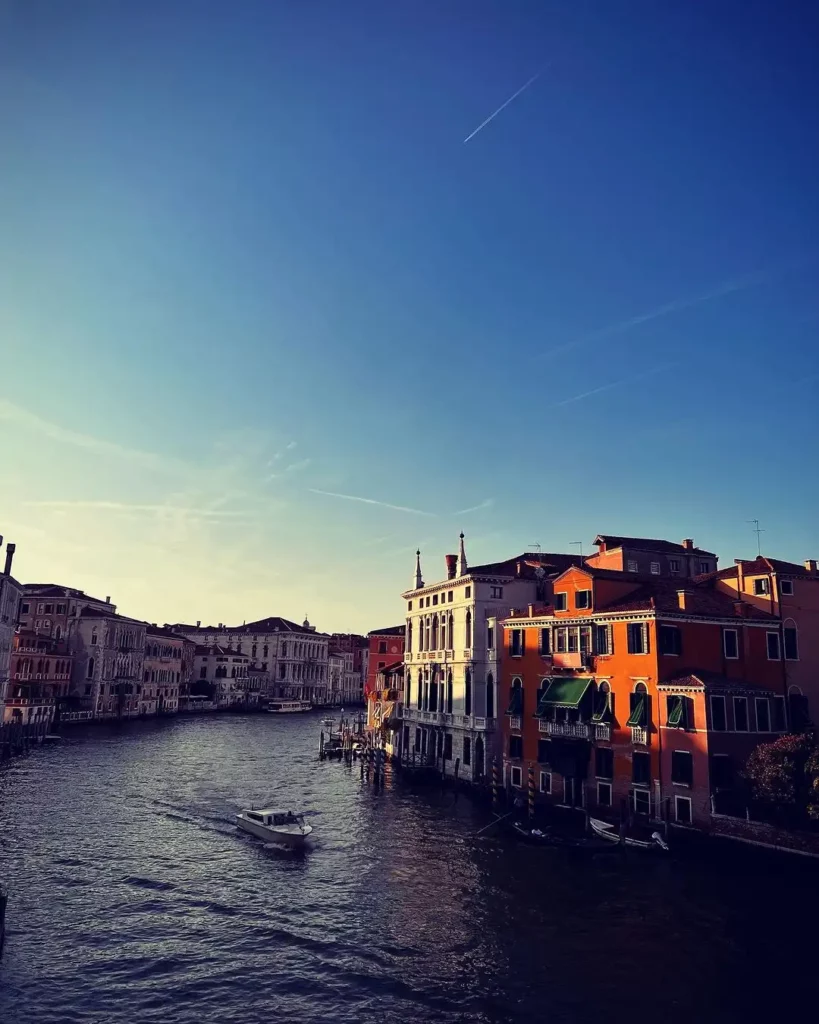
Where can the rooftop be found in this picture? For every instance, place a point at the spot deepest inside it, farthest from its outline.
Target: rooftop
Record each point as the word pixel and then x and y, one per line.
pixel 649 544
pixel 389 631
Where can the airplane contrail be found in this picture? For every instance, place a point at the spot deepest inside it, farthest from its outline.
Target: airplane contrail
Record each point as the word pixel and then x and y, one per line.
pixel 370 501
pixel 615 384
pixel 503 106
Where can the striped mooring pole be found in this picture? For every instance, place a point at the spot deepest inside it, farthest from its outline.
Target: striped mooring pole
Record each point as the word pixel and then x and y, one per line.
pixel 531 791
pixel 495 782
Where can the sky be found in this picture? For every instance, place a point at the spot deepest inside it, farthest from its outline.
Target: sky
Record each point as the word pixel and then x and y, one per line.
pixel 281 300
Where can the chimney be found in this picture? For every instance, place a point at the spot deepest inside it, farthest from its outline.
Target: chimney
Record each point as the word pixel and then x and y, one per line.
pixel 682 597
pixel 740 609
pixel 531 611
pixel 461 557
pixel 811 566
pixel 107 598
pixel 198 623
pixel 10 549
pixel 688 544
pixel 451 563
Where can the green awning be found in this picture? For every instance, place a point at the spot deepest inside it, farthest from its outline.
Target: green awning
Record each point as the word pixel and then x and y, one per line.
pixel 564 692
pixel 638 712
pixel 602 708
pixel 516 703
pixel 675 711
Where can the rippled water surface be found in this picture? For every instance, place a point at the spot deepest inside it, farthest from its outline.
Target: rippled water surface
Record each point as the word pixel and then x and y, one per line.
pixel 133 899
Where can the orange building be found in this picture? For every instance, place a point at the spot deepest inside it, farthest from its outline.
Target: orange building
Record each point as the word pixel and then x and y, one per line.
pixel 638 695
pixel 385 647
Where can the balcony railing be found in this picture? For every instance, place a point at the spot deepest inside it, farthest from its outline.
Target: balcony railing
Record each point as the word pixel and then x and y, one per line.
pixel 639 735
pixel 25 702
pixel 576 730
pixel 602 731
pixel 514 722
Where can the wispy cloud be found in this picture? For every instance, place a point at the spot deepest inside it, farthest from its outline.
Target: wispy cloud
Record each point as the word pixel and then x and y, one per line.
pixel 486 503
pixel 290 446
pixel 503 106
pixel 613 384
pixel 63 435
pixel 737 284
pixel 122 506
pixel 371 501
pixel 295 466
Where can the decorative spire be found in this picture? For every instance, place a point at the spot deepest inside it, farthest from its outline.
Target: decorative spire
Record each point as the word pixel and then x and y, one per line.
pixel 419 582
pixel 462 557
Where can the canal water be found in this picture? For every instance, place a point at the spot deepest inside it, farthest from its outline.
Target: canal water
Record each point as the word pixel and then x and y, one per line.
pixel 133 899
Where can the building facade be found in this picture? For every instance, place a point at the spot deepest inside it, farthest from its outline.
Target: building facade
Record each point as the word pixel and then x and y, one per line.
pixel 638 697
pixel 107 669
pixel 39 679
pixel 384 646
pixel 292 660
pixel 652 557
pixel 163 671
pixel 450 705
pixel 10 599
pixel 224 672
pixel 48 609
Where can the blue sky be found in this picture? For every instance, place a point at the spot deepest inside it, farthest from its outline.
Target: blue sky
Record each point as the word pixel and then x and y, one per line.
pixel 247 257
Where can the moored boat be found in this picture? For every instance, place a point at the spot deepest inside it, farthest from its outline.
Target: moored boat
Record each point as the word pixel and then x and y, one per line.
pixel 609 833
pixel 275 826
pixel 288 707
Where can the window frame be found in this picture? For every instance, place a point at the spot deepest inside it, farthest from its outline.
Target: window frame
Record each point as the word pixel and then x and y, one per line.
pixel 643 628
pixel 601 786
pixel 738 701
pixel 632 565
pixel 725 631
pixel 767 704
pixel 664 630
pixel 794 632
pixel 775 635
pixel 545 783
pixel 645 796
pixel 645 758
pixel 673 565
pixel 690 761
pixel 711 698
pixel 512 769
pixel 681 801
pixel 587 598
pixel 561 601
pixel 789 585
pixel 761 588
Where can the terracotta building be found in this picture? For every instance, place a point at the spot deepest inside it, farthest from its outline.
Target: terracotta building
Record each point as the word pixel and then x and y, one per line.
pixel 385 646
pixel 48 609
pixel 651 557
pixel 637 694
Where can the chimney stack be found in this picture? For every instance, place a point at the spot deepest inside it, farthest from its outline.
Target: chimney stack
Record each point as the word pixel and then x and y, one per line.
pixel 107 598
pixel 688 544
pixel 811 566
pixel 451 564
pixel 198 623
pixel 10 549
pixel 740 609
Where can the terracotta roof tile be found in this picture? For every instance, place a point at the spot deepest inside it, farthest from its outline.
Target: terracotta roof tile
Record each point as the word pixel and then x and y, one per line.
pixel 649 544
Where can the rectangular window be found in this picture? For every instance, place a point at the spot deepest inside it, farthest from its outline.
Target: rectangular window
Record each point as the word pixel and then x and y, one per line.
pixel 655 568
pixel 449 596
pixel 516 777
pixel 467 750
pixel 761 586
pixel 582 599
pixel 779 714
pixel 490 638
pixel 682 768
pixel 642 801
pixel 730 643
pixel 741 714
pixel 670 640
pixel 448 747
pixel 24 608
pixel 682 809
pixel 705 567
pixel 496 592
pixel 562 640
pixel 774 653
pixel 516 643
pixel 468 592
pixel 40 607
pixel 604 794
pixel 632 565
pixel 786 588
pixel 791 644
pixel 719 722
pixel 561 602
pixel 674 565
pixel 641 769
pixel 49 609
pixel 380 665
pixel 61 609
pixel 637 638
pixel 409 606
pixel 604 763
pixel 722 771
pixel 516 746
pixel 602 637
pixel 545 641
pixel 763 714
pixel 546 782
pixel 435 599
pixel 544 748
pixel 574 644
pixel 382 646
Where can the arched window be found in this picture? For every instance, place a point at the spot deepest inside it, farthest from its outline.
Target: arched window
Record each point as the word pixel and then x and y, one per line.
pixel 428 639
pixel 468 691
pixel 490 696
pixel 433 689
pixel 516 697
pixel 434 633
pixel 443 631
pixel 638 707
pixel 409 637
pixel 468 630
pixel 603 703
pixel 90 673
pixel 58 632
pixel 408 690
pixel 449 691
pixel 451 631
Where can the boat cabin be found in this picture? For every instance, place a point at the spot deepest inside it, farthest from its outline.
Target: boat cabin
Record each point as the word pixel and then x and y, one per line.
pixel 271 817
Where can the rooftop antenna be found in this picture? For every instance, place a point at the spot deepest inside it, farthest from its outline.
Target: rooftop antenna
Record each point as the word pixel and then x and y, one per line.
pixel 535 546
pixel 757 531
pixel 579 545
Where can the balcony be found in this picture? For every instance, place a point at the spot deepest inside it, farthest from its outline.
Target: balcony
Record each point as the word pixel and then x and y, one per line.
pixel 28 702
pixel 602 731
pixel 514 722
pixel 567 659
pixel 639 735
pixel 574 730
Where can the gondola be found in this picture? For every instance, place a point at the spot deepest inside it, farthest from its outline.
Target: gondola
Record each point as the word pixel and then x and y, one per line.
pixel 535 836
pixel 608 833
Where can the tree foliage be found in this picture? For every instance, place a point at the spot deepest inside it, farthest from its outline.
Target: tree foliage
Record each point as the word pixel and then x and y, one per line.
pixel 784 776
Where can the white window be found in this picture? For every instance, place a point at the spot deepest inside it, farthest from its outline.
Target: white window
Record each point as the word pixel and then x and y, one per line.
pixel 545 782
pixel 582 599
pixel 641 801
pixel 786 588
pixel 516 775
pixel 655 568
pixel 761 586
pixel 674 565
pixel 560 602
pixel 604 794
pixel 730 643
pixel 632 565
pixel 773 647
pixel 763 715
pixel 682 809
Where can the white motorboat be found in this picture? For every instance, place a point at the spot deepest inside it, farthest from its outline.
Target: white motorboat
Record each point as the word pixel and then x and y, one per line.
pixel 287 707
pixel 275 826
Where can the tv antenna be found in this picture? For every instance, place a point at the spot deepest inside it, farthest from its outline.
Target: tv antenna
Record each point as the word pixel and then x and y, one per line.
pixel 536 547
pixel 758 533
pixel 579 545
